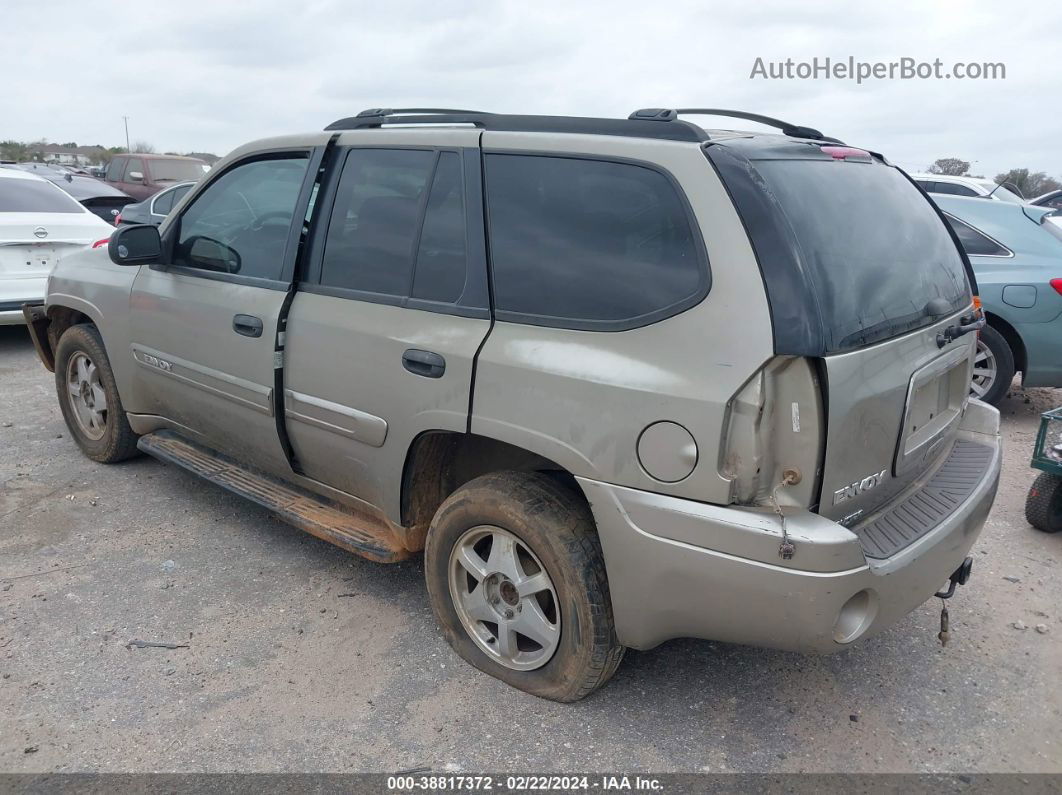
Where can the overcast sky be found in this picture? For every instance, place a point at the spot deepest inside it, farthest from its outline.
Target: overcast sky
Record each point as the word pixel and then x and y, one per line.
pixel 207 75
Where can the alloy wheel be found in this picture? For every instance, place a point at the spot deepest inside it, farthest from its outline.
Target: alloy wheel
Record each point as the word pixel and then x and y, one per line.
pixel 504 598
pixel 985 370
pixel 87 396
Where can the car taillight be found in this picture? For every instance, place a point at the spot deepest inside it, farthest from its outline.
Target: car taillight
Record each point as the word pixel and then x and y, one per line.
pixel 1057 284
pixel 774 432
pixel 101 243
pixel 117 219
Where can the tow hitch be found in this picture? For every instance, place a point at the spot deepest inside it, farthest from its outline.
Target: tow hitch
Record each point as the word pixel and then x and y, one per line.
pixel 958 577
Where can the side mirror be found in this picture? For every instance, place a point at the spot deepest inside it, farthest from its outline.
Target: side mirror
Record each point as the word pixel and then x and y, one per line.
pixel 135 245
pixel 136 176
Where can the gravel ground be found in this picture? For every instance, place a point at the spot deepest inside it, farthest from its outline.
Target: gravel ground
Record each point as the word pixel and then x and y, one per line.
pixel 301 657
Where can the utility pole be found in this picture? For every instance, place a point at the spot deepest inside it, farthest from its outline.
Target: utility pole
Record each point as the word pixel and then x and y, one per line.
pixel 126 120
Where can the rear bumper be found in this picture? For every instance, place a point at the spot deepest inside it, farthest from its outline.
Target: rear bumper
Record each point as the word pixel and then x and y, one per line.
pixel 678 568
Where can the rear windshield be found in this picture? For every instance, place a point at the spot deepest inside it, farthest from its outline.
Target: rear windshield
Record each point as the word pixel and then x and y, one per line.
pixel 31 196
pixel 873 249
pixel 176 170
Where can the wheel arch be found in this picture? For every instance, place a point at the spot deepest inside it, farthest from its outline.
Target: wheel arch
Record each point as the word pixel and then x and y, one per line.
pixel 440 462
pixel 1013 338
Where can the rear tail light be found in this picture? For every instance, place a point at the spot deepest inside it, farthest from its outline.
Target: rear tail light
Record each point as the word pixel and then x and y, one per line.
pixel 1057 284
pixel 117 219
pixel 101 243
pixel 774 432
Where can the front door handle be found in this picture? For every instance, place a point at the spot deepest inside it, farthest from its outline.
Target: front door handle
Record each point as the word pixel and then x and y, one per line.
pixel 425 363
pixel 247 325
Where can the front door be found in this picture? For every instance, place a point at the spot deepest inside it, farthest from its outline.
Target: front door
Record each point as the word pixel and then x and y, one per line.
pixel 203 325
pixel 382 337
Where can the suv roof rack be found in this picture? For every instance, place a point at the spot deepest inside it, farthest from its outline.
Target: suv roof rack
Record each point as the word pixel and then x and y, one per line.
pixel 668 114
pixel 635 128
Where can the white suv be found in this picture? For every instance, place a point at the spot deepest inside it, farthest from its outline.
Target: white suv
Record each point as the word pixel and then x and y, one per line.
pixel 966 186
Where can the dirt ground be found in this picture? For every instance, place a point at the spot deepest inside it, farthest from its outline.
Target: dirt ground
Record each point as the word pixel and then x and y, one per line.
pixel 300 657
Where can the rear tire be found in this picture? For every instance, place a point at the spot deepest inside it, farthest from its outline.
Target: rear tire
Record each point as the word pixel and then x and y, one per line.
pixel 88 397
pixel 1043 505
pixel 512 528
pixel 993 367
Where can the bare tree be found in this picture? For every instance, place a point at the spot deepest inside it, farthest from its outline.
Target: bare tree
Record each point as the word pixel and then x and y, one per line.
pixel 1029 185
pixel 950 166
pixel 143 147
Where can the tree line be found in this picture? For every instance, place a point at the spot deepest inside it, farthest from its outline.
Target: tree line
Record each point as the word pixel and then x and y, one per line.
pixel 30 151
pixel 1029 184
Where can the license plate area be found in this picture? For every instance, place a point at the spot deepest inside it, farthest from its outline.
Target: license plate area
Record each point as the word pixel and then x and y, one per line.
pixel 936 396
pixel 26 260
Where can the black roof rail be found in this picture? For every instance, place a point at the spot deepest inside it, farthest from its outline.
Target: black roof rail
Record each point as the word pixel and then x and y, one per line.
pixel 669 114
pixel 380 117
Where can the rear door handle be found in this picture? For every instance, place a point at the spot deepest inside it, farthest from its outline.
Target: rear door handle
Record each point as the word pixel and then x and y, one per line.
pixel 425 363
pixel 247 325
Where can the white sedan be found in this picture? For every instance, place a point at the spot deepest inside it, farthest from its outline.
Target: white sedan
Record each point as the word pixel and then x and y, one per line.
pixel 39 224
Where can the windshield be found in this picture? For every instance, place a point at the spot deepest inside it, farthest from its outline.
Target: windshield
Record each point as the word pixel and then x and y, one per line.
pixel 31 196
pixel 873 249
pixel 176 170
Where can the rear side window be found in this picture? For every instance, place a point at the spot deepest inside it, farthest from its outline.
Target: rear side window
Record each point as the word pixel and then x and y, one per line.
pixel 583 243
pixel 31 196
pixel 162 203
pixel 976 243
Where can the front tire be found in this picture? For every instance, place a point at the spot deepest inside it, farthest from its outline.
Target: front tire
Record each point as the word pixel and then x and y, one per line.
pixel 993 367
pixel 88 397
pixel 517 582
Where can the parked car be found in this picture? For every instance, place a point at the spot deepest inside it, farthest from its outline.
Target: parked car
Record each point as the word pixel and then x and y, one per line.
pixel 153 210
pixel 1016 253
pixel 946 185
pixel 1052 199
pixel 142 175
pixel 98 197
pixel 39 226
pixel 699 387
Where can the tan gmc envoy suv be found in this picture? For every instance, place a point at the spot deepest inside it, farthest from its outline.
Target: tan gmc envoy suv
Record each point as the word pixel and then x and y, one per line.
pixel 621 380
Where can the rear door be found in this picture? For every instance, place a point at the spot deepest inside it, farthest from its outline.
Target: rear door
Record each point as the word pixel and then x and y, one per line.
pixel 380 341
pixel 203 326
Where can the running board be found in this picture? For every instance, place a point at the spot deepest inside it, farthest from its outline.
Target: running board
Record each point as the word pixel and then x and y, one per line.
pixel 361 533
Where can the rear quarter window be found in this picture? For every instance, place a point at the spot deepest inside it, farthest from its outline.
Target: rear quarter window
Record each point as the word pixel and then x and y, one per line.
pixel 591 244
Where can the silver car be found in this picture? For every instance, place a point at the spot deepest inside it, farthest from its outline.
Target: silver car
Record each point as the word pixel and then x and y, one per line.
pixel 620 380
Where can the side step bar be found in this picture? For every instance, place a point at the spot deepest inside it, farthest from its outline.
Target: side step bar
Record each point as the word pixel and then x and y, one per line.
pixel 361 533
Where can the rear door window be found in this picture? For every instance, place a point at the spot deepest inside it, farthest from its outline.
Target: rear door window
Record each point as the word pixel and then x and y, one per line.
pixel 595 244
pixel 442 260
pixel 372 231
